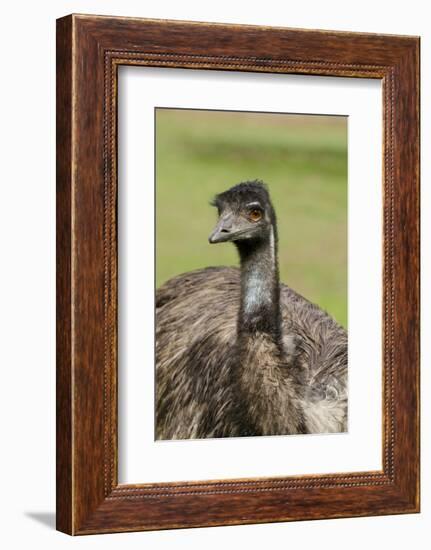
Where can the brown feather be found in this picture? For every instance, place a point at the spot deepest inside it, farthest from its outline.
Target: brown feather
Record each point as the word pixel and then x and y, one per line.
pixel 203 391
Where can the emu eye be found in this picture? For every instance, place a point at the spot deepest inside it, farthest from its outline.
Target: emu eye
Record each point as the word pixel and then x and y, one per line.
pixel 255 215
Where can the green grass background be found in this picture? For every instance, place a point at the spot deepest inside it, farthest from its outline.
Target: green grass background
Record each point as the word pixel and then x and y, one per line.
pixel 302 158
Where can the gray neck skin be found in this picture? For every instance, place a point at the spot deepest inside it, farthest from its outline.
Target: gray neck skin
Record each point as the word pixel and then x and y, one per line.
pixel 260 288
pixel 275 410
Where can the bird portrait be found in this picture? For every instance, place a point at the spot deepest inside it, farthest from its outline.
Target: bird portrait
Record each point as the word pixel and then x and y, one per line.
pixel 238 352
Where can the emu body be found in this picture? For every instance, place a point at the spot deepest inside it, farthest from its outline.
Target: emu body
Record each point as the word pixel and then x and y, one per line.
pixel 238 353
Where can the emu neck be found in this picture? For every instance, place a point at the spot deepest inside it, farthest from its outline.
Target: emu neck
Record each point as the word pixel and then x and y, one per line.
pixel 265 384
pixel 260 291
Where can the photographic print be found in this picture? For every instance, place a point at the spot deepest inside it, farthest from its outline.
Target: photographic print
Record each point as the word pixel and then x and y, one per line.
pixel 203 222
pixel 183 414
pixel 251 274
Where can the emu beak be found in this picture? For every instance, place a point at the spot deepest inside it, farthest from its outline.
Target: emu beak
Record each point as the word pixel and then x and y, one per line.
pixel 222 231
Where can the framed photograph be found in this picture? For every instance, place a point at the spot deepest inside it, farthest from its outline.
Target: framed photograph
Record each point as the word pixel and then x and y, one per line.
pixel 237 274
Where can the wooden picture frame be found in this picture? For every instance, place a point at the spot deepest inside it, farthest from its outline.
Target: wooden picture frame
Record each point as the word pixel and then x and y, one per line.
pixel 89 51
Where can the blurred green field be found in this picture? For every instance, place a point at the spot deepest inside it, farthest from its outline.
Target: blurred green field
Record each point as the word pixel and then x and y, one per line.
pixel 303 159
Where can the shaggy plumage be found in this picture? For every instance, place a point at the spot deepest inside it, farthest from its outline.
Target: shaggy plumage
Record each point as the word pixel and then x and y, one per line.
pixel 238 353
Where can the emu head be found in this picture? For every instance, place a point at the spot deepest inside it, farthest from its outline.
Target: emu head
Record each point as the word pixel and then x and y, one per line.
pixel 245 214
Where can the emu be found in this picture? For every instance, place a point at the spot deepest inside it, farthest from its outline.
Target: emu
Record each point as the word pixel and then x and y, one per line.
pixel 238 353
